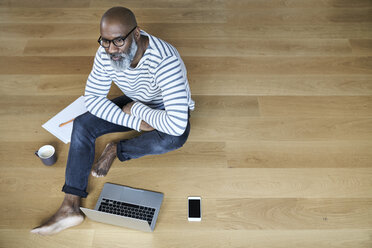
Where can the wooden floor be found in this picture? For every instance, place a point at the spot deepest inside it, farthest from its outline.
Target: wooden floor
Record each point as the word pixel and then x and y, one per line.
pixel 280 148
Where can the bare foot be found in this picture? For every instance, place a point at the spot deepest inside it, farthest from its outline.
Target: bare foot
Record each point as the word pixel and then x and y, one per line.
pixel 104 163
pixel 68 215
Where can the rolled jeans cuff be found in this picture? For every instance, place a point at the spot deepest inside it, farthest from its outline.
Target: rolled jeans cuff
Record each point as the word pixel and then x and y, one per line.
pixel 74 191
pixel 119 152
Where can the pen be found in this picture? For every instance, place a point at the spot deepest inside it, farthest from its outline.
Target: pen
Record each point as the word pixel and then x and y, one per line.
pixel 67 122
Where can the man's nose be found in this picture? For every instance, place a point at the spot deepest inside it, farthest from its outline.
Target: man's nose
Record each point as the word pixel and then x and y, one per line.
pixel 112 48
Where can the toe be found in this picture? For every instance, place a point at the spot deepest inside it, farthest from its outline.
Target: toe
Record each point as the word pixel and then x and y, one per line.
pixel 100 173
pixel 94 173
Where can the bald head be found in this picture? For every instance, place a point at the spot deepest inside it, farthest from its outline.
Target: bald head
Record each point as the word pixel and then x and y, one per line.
pixel 120 15
pixel 117 21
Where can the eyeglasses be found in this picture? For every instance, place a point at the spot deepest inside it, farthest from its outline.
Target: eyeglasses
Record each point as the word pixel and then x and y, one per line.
pixel 118 42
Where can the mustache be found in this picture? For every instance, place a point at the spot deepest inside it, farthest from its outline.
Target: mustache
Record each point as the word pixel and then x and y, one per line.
pixel 121 55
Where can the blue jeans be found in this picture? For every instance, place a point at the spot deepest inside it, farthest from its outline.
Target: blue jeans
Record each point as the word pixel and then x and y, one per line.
pixel 87 127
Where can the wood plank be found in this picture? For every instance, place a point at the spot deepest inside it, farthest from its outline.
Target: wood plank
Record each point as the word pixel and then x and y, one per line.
pixel 211 183
pixel 203 47
pixel 200 4
pixel 12 47
pixel 296 214
pixel 305 15
pixel 279 65
pixel 361 46
pixel 46 65
pixel 299 154
pixel 238 238
pixel 143 15
pixel 19 84
pixel 281 85
pixel 281 129
pixel 264 47
pixel 24 85
pixel 358 238
pixel 10 238
pixel 190 30
pixel 225 106
pixel 188 15
pixel 216 30
pixel 36 105
pixel 330 31
pixel 241 4
pixel 58 47
pixel 326 106
pixel 67 85
pixel 44 4
pixel 56 30
pixel 31 130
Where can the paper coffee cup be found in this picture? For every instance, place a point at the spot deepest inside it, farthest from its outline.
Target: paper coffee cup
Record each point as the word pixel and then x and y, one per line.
pixel 47 154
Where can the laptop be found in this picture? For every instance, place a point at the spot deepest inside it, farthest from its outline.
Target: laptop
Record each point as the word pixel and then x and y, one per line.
pixel 127 207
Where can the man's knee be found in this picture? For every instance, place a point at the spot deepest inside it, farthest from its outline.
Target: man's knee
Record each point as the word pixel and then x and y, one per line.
pixel 84 123
pixel 174 142
pixel 167 145
pixel 81 120
pixel 179 141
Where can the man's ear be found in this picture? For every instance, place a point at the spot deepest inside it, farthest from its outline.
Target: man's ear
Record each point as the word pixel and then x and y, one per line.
pixel 137 33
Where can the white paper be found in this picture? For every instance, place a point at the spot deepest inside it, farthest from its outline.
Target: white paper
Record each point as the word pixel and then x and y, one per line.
pixel 70 112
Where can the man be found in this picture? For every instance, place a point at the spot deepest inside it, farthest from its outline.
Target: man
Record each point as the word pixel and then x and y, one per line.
pixel 157 99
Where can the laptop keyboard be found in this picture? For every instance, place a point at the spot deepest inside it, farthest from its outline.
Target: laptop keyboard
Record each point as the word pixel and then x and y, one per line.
pixel 127 210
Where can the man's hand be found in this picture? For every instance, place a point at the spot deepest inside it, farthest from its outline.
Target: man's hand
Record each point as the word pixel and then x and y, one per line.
pixel 145 126
pixel 128 107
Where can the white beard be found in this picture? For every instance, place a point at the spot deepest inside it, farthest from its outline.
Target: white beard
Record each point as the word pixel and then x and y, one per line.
pixel 126 58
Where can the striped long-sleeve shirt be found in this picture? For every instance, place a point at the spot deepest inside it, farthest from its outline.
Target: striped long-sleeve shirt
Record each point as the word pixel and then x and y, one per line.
pixel 158 85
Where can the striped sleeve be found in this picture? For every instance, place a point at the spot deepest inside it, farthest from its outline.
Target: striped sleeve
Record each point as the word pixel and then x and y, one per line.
pixel 96 90
pixel 172 82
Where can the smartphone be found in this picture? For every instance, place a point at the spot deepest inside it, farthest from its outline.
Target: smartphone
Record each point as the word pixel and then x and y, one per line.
pixel 194 208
